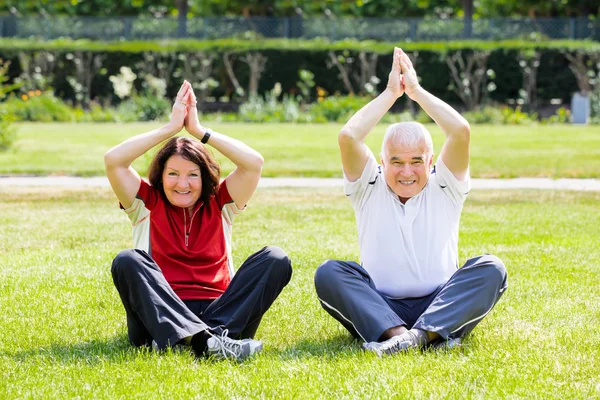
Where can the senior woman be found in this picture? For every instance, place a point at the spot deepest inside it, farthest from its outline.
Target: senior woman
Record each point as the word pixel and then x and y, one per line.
pixel 178 284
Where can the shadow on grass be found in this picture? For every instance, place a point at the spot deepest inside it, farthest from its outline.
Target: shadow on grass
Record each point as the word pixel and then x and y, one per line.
pixel 119 350
pixel 116 349
pixel 336 347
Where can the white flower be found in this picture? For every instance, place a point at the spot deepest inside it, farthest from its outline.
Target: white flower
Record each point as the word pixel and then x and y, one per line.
pixel 123 83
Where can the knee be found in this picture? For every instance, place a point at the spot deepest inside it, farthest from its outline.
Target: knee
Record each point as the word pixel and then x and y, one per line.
pixel 125 261
pixel 326 274
pixel 277 254
pixel 497 267
pixel 494 269
pixel 280 262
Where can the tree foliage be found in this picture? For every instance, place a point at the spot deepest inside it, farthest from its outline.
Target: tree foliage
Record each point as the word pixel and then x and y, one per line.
pixel 100 8
pixel 325 8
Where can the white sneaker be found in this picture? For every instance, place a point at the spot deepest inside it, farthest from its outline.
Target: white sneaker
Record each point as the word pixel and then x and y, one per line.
pixel 223 347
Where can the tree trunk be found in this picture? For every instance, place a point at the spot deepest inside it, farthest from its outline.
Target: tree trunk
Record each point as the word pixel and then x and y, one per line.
pixel 182 10
pixel 468 18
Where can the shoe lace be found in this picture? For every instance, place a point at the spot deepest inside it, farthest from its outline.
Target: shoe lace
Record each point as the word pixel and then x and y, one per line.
pixel 227 346
pixel 395 343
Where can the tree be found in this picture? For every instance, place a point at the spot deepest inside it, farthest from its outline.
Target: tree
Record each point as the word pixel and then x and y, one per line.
pixel 182 12
pixel 108 8
pixel 468 18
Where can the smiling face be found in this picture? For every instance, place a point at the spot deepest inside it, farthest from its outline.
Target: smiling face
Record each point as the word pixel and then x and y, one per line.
pixel 182 182
pixel 406 169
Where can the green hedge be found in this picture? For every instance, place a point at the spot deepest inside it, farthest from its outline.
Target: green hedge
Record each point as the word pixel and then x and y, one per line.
pixel 286 57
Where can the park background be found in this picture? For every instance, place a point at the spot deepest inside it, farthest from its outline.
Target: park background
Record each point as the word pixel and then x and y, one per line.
pixel 79 76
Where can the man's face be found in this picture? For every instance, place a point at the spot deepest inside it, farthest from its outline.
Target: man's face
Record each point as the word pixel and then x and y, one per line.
pixel 406 170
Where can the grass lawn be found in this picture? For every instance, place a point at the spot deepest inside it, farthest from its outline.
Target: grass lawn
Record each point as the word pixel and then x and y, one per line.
pixel 63 332
pixel 559 151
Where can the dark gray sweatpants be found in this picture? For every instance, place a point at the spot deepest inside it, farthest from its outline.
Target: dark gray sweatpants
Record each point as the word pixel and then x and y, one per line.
pixel 347 292
pixel 155 312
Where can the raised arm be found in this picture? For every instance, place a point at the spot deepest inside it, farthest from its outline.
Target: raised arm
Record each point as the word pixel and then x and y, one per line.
pixel 124 180
pixel 352 136
pixel 243 180
pixel 455 151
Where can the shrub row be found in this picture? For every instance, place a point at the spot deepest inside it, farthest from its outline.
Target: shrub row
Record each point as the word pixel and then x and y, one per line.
pixel 286 57
pixel 44 107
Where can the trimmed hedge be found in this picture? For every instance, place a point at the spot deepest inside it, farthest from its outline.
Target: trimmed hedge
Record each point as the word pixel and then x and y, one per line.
pixel 287 57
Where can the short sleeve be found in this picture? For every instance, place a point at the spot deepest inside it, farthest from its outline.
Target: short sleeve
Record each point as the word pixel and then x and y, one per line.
pixel 457 190
pixel 226 204
pixel 145 200
pixel 360 190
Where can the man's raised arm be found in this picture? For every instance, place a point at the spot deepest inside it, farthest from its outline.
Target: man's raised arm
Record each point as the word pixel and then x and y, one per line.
pixel 352 136
pixel 455 151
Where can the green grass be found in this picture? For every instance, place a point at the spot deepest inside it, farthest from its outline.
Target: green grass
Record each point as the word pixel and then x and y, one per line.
pixel 559 151
pixel 63 332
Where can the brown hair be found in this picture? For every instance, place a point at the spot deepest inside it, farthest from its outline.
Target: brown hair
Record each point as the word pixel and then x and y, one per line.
pixel 193 151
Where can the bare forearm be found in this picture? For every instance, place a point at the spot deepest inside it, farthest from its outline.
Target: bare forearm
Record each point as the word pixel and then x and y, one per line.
pixel 243 156
pixel 367 117
pixel 125 153
pixel 446 117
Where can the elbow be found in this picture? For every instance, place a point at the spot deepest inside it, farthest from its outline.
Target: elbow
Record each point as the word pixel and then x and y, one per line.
pixel 257 163
pixel 113 160
pixel 260 161
pixel 108 159
pixel 465 131
pixel 345 135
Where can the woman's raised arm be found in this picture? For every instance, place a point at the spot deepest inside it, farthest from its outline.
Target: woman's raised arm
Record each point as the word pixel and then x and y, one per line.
pixel 124 180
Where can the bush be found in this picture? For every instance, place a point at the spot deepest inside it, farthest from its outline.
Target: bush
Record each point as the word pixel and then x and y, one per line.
pixel 96 113
pixel 595 111
pixel 562 116
pixel 338 108
pixel 39 108
pixel 147 108
pixel 517 117
pixel 268 109
pixel 487 115
pixel 500 115
pixel 8 133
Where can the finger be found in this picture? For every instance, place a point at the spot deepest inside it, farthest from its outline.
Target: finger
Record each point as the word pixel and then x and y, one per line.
pixel 406 59
pixel 181 91
pixel 395 59
pixel 404 64
pixel 188 98
pixel 410 63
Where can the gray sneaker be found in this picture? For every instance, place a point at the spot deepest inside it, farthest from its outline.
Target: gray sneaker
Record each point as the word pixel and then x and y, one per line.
pixel 223 347
pixel 410 339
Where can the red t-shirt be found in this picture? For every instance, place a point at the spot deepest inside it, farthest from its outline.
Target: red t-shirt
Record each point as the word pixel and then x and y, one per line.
pixel 202 269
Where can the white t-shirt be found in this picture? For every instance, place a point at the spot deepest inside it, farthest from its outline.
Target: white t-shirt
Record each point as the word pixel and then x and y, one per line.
pixel 408 249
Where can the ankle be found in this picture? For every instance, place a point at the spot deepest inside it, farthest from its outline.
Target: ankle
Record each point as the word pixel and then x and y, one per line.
pixel 199 342
pixel 391 332
pixel 422 337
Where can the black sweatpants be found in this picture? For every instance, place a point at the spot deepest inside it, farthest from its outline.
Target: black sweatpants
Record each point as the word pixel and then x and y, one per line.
pixel 347 292
pixel 155 312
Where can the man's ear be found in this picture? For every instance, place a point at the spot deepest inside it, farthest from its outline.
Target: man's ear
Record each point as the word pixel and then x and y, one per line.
pixel 431 160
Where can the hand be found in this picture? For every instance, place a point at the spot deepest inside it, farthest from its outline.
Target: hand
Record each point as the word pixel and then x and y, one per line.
pixel 180 110
pixel 192 123
pixel 410 82
pixel 395 78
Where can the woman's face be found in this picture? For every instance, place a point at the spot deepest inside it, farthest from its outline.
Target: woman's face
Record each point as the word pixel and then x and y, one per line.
pixel 182 182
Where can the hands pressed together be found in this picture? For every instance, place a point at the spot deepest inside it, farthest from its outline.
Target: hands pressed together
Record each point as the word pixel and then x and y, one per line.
pixel 185 113
pixel 403 77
